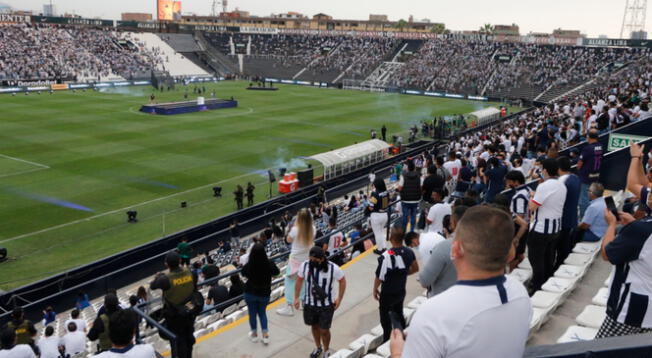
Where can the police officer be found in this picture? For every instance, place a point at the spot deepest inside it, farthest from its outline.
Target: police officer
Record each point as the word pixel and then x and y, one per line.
pixel 239 196
pixel 181 305
pixel 250 194
pixel 24 328
pixel 100 329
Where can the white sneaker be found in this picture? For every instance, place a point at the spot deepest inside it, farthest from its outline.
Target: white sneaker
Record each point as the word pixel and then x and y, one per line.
pixel 253 336
pixel 286 311
pixel 265 340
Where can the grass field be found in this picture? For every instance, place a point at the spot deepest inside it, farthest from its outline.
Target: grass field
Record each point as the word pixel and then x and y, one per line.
pixel 71 164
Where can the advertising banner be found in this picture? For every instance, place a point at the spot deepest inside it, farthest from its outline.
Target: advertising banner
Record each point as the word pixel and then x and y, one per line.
pixel 9 18
pixel 59 87
pixel 169 10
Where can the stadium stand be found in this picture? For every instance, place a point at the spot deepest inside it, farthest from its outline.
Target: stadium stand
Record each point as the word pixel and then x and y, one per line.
pixel 174 62
pixel 581 83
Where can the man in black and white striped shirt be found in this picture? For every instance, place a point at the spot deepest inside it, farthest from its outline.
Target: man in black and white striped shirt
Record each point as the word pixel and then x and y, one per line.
pixel 545 225
pixel 519 205
pixel 319 304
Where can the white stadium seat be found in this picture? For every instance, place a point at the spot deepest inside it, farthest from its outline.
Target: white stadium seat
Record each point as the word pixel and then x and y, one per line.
pixel 525 265
pixel 522 275
pixel 383 350
pixel 377 330
pixel 592 316
pixel 558 285
pixel 545 300
pixel 342 353
pixel 600 298
pixel 587 247
pixel 417 302
pixel 579 259
pixel 577 334
pixel 569 271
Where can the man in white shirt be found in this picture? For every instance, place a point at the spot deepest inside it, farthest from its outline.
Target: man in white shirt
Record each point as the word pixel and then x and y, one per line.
pixel 437 212
pixel 545 225
pixel 123 325
pixel 423 243
pixel 49 345
pixel 74 341
pixel 79 323
pixel 486 314
pixel 9 348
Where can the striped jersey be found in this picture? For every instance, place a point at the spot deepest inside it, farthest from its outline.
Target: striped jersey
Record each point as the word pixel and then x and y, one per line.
pixel 325 279
pixel 550 196
pixel 630 293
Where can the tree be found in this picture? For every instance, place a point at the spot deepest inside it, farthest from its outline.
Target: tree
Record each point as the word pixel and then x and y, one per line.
pixel 401 25
pixel 487 29
pixel 439 29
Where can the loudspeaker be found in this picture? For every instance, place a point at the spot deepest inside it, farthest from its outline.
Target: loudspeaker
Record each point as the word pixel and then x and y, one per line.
pixel 3 254
pixel 282 171
pixel 184 204
pixel 131 216
pixel 271 176
pixel 305 177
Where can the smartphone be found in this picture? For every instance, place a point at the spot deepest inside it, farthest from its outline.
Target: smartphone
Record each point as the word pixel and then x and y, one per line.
pixel 611 205
pixel 396 321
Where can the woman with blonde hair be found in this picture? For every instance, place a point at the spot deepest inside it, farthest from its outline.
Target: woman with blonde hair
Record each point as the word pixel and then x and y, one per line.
pixel 302 237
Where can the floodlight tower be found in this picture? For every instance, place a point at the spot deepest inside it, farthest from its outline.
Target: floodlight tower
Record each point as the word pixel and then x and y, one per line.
pixel 634 17
pixel 224 3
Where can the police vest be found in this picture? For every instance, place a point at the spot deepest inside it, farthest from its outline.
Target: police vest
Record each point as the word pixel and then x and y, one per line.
pixel 105 341
pixel 181 287
pixel 411 187
pixel 22 332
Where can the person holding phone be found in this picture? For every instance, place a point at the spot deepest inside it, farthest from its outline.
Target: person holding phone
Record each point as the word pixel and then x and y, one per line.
pixel 629 307
pixel 637 181
pixel 394 266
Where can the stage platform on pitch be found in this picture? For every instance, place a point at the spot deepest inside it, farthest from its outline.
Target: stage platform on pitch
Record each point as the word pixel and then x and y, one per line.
pixel 188 107
pixel 262 88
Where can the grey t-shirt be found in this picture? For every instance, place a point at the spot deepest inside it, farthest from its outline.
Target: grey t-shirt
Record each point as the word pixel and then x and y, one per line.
pixel 438 273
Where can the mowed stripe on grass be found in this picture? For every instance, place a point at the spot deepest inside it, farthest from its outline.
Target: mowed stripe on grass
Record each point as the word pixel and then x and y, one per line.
pixel 104 156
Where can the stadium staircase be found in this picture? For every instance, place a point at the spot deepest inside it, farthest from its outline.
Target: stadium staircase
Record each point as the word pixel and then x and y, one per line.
pixel 188 46
pixel 382 75
pixel 175 63
pixel 214 58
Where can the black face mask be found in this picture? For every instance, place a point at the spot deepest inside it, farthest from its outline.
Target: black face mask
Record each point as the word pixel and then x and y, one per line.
pixel 319 266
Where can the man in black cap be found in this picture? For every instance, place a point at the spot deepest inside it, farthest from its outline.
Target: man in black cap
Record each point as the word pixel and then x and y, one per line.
pixel 182 302
pixel 319 302
pixel 100 330
pixel 24 329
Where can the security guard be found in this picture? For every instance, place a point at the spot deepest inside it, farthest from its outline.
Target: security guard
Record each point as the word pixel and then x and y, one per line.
pixel 25 331
pixel 100 330
pixel 250 194
pixel 239 196
pixel 181 302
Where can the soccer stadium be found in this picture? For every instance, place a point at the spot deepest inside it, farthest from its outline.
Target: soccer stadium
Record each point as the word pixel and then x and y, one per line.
pixel 222 184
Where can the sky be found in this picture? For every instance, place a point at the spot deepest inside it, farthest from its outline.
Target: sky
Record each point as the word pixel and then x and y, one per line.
pixel 592 17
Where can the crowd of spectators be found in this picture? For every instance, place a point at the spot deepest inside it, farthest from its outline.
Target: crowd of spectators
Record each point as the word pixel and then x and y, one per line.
pixel 40 52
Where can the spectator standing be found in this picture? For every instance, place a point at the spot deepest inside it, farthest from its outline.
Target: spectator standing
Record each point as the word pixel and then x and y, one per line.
pixel 588 165
pixel 217 294
pixel 629 304
pixel 185 251
pixel 593 223
pixel 234 231
pixel 519 207
pixel 11 349
pixel 462 321
pixel 423 243
pixel 394 266
pixel 438 273
pixel 495 178
pixel 410 188
pixel 378 205
pixel 24 328
pixel 123 325
pixel 430 183
pixel 438 211
pixel 319 304
pixel 637 182
pixel 259 272
pixel 48 346
pixel 464 180
pixel 74 341
pixel 548 207
pixel 182 302
pixel 82 301
pixel 100 329
pixel 565 243
pixel 301 236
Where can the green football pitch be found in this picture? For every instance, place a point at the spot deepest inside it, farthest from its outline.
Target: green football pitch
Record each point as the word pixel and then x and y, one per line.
pixel 72 164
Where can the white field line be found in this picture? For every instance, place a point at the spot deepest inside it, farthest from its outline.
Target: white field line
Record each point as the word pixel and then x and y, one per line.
pixel 22 172
pixel 119 210
pixel 43 166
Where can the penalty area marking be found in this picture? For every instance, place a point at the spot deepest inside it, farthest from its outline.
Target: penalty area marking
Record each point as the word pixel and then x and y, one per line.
pixel 38 165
